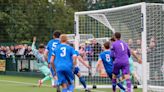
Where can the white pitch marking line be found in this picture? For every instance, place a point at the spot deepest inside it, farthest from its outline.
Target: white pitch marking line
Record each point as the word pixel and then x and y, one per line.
pixel 94 90
pixel 98 91
pixel 25 83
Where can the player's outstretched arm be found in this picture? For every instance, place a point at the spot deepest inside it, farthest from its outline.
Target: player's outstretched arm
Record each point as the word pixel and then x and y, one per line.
pixel 83 62
pixel 34 50
pixel 74 60
pixel 52 62
pixel 33 43
pixel 46 54
pixel 136 56
pixel 98 64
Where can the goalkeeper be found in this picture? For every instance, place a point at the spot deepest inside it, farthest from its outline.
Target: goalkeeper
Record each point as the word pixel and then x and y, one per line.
pixel 41 63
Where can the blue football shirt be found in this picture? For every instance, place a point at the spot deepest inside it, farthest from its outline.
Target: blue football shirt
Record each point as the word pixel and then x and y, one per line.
pixel 107 60
pixel 77 53
pixel 52 44
pixel 64 57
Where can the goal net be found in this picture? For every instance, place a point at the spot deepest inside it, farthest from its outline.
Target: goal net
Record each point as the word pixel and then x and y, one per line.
pixel 141 26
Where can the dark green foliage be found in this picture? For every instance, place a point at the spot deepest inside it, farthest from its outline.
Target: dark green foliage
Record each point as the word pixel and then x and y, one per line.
pixel 20 20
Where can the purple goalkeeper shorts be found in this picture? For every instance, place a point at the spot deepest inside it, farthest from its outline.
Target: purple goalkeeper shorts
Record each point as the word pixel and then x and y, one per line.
pixel 123 66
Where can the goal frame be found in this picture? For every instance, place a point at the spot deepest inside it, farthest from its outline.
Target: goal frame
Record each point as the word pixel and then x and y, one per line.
pixel 143 36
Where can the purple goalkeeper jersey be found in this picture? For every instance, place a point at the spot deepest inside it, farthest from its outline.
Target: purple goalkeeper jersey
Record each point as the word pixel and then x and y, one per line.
pixel 120 51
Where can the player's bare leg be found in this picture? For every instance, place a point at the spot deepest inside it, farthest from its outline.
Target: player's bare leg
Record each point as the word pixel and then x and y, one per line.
pixel 135 79
pixel 40 82
pixel 56 85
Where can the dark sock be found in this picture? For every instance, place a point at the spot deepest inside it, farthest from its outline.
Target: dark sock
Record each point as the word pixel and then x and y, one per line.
pixel 83 82
pixel 121 86
pixel 114 85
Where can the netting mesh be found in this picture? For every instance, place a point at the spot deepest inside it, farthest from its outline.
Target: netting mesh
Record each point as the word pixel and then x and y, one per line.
pixel 155 44
pixel 89 51
pixel 128 21
pixel 100 25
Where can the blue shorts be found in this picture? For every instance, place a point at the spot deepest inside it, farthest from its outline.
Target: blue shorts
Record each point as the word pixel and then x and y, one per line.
pixel 109 74
pixel 76 70
pixel 65 76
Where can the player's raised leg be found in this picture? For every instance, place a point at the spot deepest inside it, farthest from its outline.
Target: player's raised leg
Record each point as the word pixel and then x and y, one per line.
pixel 42 63
pixel 45 70
pixel 82 81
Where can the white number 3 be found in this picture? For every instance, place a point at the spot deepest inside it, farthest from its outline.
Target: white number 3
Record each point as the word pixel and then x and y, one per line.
pixel 63 51
pixel 122 46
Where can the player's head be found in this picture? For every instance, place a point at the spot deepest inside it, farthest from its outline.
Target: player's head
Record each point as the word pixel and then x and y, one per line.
pixel 63 38
pixel 130 41
pixel 56 34
pixel 94 41
pixel 112 39
pixel 117 36
pixel 41 48
pixel 107 45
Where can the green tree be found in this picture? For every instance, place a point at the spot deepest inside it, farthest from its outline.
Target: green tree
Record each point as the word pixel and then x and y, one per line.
pixel 23 19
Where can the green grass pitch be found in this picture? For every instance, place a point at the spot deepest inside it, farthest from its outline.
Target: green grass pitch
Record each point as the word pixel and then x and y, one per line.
pixel 29 84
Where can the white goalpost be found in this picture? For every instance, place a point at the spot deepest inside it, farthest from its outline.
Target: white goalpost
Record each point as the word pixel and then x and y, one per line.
pixel 141 26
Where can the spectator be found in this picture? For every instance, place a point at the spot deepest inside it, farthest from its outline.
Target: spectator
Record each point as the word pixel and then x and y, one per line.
pixel 12 48
pixel 8 52
pixel 152 44
pixel 3 52
pixel 26 50
pixel 11 54
pixel 21 50
pixel 82 51
pixel 139 42
pixel 96 49
pixel 130 43
pixel 29 51
pixel 89 51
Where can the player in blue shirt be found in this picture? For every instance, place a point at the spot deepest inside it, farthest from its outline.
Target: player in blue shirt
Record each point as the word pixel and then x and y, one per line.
pixel 65 59
pixel 107 61
pixel 52 44
pixel 77 69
